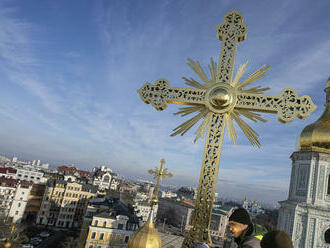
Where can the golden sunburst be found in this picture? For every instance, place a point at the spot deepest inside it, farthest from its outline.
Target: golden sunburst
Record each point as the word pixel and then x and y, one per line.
pixel 235 114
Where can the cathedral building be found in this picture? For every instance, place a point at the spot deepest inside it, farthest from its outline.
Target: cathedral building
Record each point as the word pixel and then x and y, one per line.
pixel 102 177
pixel 305 215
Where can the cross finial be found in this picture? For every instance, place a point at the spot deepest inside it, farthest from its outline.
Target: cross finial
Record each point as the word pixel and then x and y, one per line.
pixel 219 100
pixel 159 174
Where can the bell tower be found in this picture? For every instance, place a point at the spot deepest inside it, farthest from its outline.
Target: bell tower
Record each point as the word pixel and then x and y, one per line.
pixel 306 213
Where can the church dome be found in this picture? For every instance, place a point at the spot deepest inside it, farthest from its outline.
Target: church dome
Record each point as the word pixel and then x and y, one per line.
pixel 316 136
pixel 147 236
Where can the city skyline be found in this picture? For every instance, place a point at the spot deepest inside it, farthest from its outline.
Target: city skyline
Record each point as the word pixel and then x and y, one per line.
pixel 70 74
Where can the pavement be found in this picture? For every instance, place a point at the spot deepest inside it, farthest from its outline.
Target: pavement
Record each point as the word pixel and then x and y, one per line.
pixel 52 241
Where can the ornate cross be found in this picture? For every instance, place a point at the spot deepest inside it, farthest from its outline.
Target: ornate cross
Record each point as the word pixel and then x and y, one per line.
pixel 219 100
pixel 159 174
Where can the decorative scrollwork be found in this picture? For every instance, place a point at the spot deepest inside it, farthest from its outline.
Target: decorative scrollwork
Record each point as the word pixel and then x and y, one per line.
pixel 207 182
pixel 287 105
pixel 232 31
pixel 160 94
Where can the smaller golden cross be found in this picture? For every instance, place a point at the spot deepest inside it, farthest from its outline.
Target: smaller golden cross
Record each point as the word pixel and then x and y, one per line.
pixel 159 174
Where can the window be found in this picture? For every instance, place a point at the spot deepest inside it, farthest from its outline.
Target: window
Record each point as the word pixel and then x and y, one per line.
pixel 327 236
pixel 93 235
pixel 106 179
pixel 19 204
pixel 101 236
pixel 126 239
pixel 104 224
pixel 90 246
pixel 96 222
pixel 16 213
pixel 120 226
pixel 328 185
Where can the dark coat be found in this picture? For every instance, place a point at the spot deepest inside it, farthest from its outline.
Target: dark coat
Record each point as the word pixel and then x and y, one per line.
pixel 252 237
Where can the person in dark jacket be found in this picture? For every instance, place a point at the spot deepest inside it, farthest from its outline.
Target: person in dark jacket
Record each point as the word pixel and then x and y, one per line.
pixel 246 234
pixel 276 239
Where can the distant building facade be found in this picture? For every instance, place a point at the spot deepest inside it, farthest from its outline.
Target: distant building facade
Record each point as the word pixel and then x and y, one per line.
pixel 253 207
pixel 168 194
pixel 64 203
pixel 143 210
pixel 109 230
pixel 34 202
pixel 20 200
pixel 102 177
pixel 29 174
pixel 7 193
pixel 8 172
pixel 113 207
pixel 219 221
pixel 13 198
pixel 72 170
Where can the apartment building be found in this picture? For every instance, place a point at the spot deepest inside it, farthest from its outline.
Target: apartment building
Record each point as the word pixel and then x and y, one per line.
pixel 64 203
pixel 13 198
pixel 7 193
pixel 109 230
pixel 20 200
pixel 30 174
pixel 34 202
pixel 143 209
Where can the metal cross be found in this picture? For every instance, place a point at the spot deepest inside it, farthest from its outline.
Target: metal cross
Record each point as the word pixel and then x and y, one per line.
pixel 222 99
pixel 159 174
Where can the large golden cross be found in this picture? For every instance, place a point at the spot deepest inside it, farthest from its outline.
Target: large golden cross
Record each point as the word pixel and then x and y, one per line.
pixel 159 174
pixel 222 99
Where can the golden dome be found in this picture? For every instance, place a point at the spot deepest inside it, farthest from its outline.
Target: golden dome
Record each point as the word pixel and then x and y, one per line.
pixel 147 236
pixel 316 136
pixel 7 245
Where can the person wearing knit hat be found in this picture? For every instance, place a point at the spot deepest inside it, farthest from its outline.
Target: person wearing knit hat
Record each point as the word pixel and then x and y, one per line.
pixel 246 234
pixel 276 239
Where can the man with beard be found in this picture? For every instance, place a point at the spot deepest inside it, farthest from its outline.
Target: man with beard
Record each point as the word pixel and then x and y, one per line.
pixel 246 234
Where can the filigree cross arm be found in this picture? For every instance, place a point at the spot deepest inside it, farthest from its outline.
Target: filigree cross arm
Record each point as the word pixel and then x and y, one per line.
pixel 287 105
pixel 230 32
pixel 160 94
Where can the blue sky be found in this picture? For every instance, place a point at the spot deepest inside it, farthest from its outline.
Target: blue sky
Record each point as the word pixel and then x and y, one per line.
pixel 70 71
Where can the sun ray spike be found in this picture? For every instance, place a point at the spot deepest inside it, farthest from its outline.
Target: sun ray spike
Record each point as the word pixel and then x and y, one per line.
pixel 213 70
pixel 197 68
pixel 184 111
pixel 202 128
pixel 261 72
pixel 184 127
pixel 192 82
pixel 241 70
